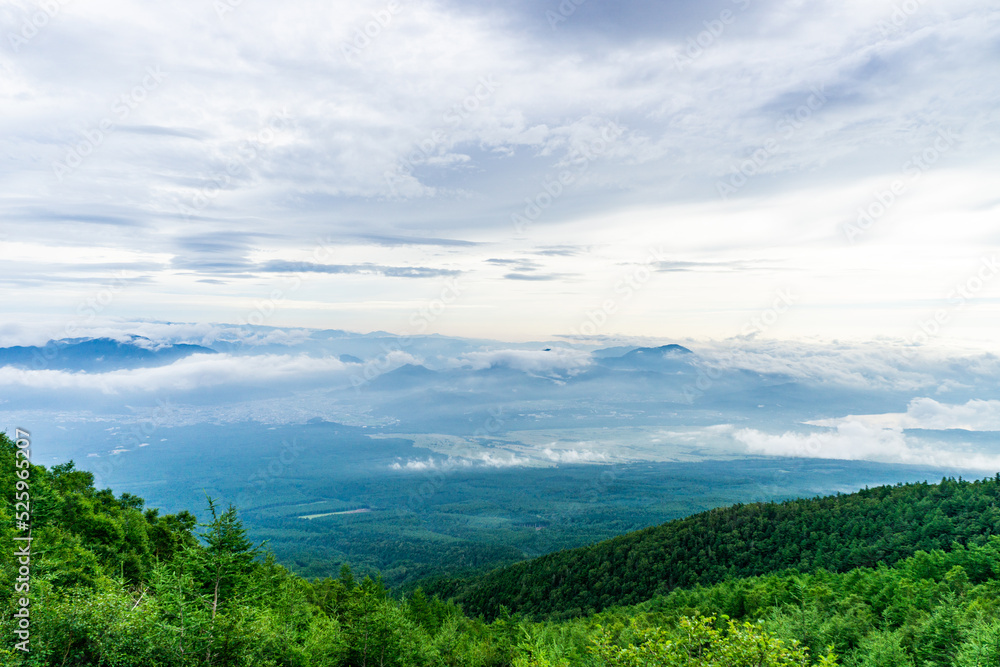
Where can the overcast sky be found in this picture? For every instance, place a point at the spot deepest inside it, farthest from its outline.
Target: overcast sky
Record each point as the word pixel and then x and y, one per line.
pixel 672 169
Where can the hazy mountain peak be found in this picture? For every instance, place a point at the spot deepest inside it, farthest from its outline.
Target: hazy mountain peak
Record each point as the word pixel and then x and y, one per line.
pixel 664 350
pixel 97 354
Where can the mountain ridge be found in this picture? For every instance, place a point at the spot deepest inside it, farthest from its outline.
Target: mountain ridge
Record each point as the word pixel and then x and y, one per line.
pixel 97 354
pixel 838 533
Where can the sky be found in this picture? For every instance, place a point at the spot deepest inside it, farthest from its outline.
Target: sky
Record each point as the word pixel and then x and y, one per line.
pixel 518 171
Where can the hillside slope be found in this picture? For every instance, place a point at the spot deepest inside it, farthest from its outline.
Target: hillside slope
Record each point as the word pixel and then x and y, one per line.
pixel 107 583
pixel 112 584
pixel 884 524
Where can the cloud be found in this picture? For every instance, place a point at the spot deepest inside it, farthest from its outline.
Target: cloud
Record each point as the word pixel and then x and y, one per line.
pixel 854 441
pixel 278 266
pixel 213 252
pixel 500 461
pixel 522 264
pixel 534 276
pixel 195 372
pixel 689 266
pixel 187 133
pixel 529 361
pixel 574 455
pixel 458 115
pixel 208 334
pixel 559 251
pixel 41 214
pixel 878 365
pixel 850 440
pixel 926 413
pixel 422 464
pixel 975 415
pixel 392 241
pixel 527 270
pixel 484 460
pixel 246 337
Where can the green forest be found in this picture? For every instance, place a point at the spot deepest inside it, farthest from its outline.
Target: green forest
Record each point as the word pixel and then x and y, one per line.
pixel 906 575
pixel 836 533
pixel 441 523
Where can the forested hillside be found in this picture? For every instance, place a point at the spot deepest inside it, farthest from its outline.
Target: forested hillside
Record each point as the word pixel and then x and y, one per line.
pixel 884 524
pixel 113 584
pixel 937 609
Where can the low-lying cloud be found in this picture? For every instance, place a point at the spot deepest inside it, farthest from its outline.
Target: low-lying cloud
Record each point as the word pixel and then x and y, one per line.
pixel 880 365
pixel 975 415
pixel 484 460
pixel 929 414
pixel 857 441
pixel 574 456
pixel 529 361
pixel 195 372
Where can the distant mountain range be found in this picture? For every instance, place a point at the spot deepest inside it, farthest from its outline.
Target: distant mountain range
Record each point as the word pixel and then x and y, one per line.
pixel 96 354
pixel 664 358
pixel 713 399
pixel 459 371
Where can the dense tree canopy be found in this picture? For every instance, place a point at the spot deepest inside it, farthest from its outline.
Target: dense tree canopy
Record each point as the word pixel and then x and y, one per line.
pixel 115 585
pixel 838 533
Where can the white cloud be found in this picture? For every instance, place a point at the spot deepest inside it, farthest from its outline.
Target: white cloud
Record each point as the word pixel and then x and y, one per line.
pixel 422 464
pixel 529 361
pixel 198 371
pixel 353 121
pixel 850 440
pixel 926 413
pixel 500 461
pixel 574 455
pixel 857 441
pixel 482 460
pixel 975 415
pixel 881 364
pixel 42 330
